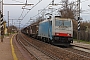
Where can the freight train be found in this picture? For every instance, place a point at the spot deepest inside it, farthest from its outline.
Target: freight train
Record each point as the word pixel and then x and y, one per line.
pixel 54 30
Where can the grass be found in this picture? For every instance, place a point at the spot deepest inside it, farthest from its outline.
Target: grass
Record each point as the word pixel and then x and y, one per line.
pixel 7 34
pixel 83 41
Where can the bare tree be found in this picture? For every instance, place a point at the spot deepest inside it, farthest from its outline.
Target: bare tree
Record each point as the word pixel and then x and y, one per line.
pixel 68 10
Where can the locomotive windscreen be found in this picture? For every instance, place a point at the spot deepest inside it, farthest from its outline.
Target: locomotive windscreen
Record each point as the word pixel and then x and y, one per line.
pixel 65 23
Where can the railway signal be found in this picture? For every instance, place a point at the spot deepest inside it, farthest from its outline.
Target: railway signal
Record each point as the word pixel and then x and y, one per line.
pixel 78 23
pixel 1 26
pixel 78 17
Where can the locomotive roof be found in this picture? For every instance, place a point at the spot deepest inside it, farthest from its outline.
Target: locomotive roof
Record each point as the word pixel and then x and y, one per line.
pixel 63 18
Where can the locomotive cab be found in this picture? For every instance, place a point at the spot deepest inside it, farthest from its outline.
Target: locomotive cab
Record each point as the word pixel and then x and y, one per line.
pixel 56 30
pixel 62 31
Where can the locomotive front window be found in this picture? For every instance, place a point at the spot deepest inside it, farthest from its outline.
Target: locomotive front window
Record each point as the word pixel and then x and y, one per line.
pixel 63 23
pixel 59 23
pixel 67 23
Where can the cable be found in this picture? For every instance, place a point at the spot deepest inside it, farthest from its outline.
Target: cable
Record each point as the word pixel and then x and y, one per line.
pixel 31 8
pixel 17 1
pixel 44 8
pixel 48 5
pixel 84 1
pixel 41 10
pixel 81 1
pixel 86 13
pixel 55 10
pixel 21 13
pixel 38 13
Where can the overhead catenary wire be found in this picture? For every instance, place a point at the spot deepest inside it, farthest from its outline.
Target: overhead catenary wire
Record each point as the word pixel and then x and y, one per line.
pixel 41 11
pixel 38 13
pixel 84 1
pixel 85 13
pixel 28 11
pixel 48 5
pixel 17 1
pixel 21 14
pixel 31 9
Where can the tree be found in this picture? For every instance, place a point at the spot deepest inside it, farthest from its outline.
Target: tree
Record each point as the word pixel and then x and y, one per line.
pixel 68 10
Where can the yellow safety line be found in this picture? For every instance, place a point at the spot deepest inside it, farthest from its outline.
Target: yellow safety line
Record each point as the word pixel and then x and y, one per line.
pixel 13 52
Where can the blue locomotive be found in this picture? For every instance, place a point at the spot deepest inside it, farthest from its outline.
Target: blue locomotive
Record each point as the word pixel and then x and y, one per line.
pixel 55 30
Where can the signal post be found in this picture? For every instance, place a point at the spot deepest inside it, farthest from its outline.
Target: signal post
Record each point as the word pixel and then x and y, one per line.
pixel 1 21
pixel 1 26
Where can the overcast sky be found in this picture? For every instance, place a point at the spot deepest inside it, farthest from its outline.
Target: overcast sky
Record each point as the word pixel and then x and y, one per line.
pixel 15 11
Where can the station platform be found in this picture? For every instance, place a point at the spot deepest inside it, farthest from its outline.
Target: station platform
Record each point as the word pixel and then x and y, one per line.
pixel 11 50
pixel 5 49
pixel 8 49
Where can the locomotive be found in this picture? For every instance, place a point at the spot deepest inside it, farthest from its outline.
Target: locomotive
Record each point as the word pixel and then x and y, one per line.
pixel 54 30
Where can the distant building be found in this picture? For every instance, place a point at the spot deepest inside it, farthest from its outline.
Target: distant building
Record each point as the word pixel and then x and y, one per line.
pixel 5 28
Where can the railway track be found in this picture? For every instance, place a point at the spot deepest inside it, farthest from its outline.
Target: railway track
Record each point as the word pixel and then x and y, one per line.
pixel 60 53
pixel 35 51
pixel 81 48
pixel 79 51
pixel 85 52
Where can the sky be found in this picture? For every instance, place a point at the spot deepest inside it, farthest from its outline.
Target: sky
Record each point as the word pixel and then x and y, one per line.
pixel 15 11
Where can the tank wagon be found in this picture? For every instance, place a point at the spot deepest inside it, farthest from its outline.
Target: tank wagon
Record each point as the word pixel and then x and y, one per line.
pixel 55 30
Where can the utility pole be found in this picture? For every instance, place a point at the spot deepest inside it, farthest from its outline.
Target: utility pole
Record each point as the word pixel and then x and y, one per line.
pixel 12 23
pixel 14 19
pixel 19 22
pixel 26 1
pixel 19 25
pixel 78 18
pixel 2 6
pixel 8 24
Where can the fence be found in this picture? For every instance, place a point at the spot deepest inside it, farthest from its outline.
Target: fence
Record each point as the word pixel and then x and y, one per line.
pixel 84 35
